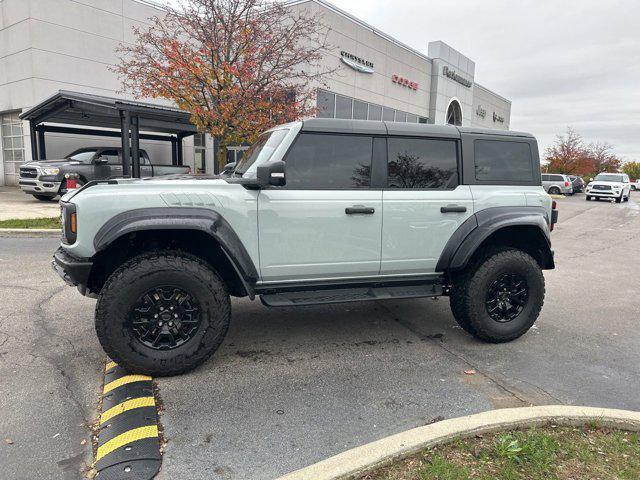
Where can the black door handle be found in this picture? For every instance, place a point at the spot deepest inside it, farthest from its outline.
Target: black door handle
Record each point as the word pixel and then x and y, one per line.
pixel 359 211
pixel 453 209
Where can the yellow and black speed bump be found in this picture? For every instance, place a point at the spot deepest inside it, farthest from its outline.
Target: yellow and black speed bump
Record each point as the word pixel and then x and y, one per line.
pixel 128 441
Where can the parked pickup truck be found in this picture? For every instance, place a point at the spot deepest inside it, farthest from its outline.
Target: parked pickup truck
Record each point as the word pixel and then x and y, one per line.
pixel 317 212
pixel 45 179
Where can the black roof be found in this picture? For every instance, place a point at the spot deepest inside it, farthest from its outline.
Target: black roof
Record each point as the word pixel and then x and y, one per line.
pixel 100 111
pixel 332 125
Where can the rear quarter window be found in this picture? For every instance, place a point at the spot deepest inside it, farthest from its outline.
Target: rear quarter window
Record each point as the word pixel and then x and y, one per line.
pixel 503 161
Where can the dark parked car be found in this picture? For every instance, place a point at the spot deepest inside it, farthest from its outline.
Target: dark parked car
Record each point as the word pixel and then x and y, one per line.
pixel 577 183
pixel 45 179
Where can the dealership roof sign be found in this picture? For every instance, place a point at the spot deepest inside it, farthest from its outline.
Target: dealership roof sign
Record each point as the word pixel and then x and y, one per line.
pixel 357 63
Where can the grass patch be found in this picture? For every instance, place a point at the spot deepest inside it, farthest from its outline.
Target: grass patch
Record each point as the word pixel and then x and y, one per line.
pixel 559 453
pixel 53 222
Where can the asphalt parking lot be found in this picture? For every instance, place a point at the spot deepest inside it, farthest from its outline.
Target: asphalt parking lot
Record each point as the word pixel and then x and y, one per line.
pixel 290 387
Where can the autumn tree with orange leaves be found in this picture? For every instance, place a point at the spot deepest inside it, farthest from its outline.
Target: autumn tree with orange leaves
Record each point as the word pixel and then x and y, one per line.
pixel 238 66
pixel 572 156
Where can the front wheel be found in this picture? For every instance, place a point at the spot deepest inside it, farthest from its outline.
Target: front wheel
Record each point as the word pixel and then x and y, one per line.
pixel 162 313
pixel 588 198
pixel 620 198
pixel 500 297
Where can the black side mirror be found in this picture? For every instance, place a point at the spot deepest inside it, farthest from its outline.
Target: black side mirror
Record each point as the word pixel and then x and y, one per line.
pixel 272 173
pixel 229 168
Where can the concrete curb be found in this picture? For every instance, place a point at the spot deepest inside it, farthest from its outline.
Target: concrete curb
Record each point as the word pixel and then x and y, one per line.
pixel 366 457
pixel 31 232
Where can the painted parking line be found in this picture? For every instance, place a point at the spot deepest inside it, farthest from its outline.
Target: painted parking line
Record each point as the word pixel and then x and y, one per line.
pixel 128 435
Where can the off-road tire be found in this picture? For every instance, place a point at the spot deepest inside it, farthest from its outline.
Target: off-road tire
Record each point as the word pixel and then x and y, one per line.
pixel 469 290
pixel 44 198
pixel 137 276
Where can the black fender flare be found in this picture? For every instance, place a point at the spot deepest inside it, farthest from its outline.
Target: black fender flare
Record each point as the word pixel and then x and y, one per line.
pixel 176 218
pixel 476 229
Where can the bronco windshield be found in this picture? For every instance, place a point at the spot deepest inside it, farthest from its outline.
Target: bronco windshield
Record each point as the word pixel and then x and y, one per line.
pixel 261 151
pixel 607 177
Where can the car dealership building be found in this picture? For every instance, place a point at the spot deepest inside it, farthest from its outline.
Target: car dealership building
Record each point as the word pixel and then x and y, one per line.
pixel 51 45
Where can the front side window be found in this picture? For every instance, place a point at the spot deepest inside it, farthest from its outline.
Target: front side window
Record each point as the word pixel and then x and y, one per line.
pixel 112 158
pixel 607 177
pixel 319 161
pixel 422 163
pixel 261 150
pixel 505 161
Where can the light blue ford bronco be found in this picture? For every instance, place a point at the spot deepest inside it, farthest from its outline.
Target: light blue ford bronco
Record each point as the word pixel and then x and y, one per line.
pixel 319 211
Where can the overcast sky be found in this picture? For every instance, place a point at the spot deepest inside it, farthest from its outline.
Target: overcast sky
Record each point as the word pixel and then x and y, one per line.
pixel 561 62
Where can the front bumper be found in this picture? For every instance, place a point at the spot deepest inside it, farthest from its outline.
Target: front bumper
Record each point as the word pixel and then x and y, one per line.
pixel 39 187
pixel 74 271
pixel 603 193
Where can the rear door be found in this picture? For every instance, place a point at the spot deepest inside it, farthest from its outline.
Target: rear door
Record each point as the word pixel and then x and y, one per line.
pixel 326 222
pixel 424 204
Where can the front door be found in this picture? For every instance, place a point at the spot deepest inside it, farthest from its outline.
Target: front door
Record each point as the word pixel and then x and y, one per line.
pixel 327 221
pixel 423 204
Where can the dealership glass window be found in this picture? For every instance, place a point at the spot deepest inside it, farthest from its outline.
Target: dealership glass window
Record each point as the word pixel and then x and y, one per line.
pixel 422 163
pixel 319 161
pixel 360 110
pixel 503 161
pixel 330 105
pixel 388 114
pixel 375 112
pixel 326 104
pixel 199 152
pixel 344 107
pixel 12 145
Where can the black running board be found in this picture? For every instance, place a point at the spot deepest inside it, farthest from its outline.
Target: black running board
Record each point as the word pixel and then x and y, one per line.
pixel 342 295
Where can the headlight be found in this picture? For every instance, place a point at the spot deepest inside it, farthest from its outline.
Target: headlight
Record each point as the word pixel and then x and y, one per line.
pixel 49 170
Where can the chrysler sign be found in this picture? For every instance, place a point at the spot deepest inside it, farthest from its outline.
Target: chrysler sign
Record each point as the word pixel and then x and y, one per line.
pixel 357 63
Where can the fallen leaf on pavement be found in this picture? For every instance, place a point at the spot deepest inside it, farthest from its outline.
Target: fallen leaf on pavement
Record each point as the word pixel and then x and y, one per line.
pixel 470 372
pixel 8 441
pixel 83 441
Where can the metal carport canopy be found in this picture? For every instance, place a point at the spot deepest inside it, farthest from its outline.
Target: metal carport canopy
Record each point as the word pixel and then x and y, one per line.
pixel 100 112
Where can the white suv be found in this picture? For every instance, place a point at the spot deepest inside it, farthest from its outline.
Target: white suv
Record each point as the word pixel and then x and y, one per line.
pixel 610 185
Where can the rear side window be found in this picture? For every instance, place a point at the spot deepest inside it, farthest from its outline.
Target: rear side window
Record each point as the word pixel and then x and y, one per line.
pixel 557 178
pixel 319 161
pixel 504 161
pixel 422 163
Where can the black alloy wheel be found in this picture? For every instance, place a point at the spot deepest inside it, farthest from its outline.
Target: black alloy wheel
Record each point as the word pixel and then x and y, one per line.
pixel 165 318
pixel 507 297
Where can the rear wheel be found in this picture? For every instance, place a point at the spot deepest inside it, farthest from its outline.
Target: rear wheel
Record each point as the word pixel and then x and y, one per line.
pixel 44 198
pixel 162 313
pixel 554 191
pixel 499 297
